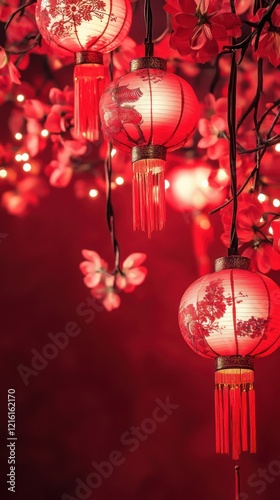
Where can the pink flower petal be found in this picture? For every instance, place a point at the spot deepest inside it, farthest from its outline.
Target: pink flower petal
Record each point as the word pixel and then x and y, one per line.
pixel 61 177
pixel 204 127
pixel 91 280
pixel 87 267
pixel 111 301
pixel 92 257
pixel 134 260
pixel 136 276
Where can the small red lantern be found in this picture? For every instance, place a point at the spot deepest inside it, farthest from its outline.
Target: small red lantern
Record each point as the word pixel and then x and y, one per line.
pixel 88 29
pixel 190 188
pixel 149 111
pixel 231 316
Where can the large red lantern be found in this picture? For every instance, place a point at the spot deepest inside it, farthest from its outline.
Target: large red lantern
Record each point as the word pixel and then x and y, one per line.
pixel 149 111
pixel 232 316
pixel 88 29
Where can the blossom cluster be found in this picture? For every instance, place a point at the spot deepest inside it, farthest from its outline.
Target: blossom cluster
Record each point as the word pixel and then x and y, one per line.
pixel 106 285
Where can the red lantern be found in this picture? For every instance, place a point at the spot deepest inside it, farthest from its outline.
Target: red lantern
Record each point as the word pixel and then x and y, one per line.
pixel 232 316
pixel 88 29
pixel 190 188
pixel 149 111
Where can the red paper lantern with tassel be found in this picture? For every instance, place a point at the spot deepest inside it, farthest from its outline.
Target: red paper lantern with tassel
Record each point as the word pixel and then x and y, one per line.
pixel 232 315
pixel 149 111
pixel 88 29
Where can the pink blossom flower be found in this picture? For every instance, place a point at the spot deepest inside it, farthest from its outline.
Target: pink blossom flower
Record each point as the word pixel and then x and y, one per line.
pixel 7 67
pixel 263 257
pixel 269 41
pixel 92 268
pixel 106 285
pixel 201 27
pixel 60 118
pixel 60 174
pixel 27 194
pixel 133 273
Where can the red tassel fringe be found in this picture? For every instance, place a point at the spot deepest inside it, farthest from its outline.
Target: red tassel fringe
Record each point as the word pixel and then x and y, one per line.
pixel 235 411
pixel 88 87
pixel 148 192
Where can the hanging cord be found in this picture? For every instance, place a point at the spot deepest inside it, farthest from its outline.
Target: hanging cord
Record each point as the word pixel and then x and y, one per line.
pixel 233 248
pixel 237 482
pixel 148 16
pixel 109 205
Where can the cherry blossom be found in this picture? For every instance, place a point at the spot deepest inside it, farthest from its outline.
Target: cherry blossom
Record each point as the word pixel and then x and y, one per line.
pixel 201 27
pixel 7 68
pixel 269 41
pixel 253 233
pixel 106 285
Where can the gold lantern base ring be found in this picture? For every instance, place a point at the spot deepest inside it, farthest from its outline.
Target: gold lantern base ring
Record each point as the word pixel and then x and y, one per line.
pixel 234 362
pixel 232 262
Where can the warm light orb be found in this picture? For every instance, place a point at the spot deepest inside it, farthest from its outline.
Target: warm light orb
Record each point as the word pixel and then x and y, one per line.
pixel 119 181
pixel 113 152
pixel 18 157
pixel 276 203
pixel 166 184
pixel 18 136
pixel 93 193
pixel 26 167
pixel 44 133
pixel 262 197
pixel 3 173
pixel 277 147
pixel 25 157
pixel 20 97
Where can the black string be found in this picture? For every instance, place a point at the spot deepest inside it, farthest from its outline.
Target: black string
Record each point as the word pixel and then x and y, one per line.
pixel 109 205
pixel 233 248
pixel 148 16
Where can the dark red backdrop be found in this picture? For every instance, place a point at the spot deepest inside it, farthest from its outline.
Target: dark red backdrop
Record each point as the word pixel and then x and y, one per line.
pixel 108 378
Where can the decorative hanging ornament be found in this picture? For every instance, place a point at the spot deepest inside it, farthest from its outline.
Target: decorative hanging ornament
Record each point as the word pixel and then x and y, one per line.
pixel 149 111
pixel 87 28
pixel 233 316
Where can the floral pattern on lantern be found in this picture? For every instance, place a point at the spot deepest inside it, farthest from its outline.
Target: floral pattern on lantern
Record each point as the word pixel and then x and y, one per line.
pixel 149 111
pixel 232 316
pixel 88 29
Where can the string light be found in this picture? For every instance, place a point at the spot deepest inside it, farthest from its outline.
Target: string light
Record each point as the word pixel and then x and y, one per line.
pixel 18 136
pixel 262 197
pixel 93 193
pixel 18 157
pixel 277 147
pixel 3 173
pixel 26 167
pixel 44 132
pixel 119 181
pixel 20 97
pixel 276 203
pixel 113 152
pixel 25 156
